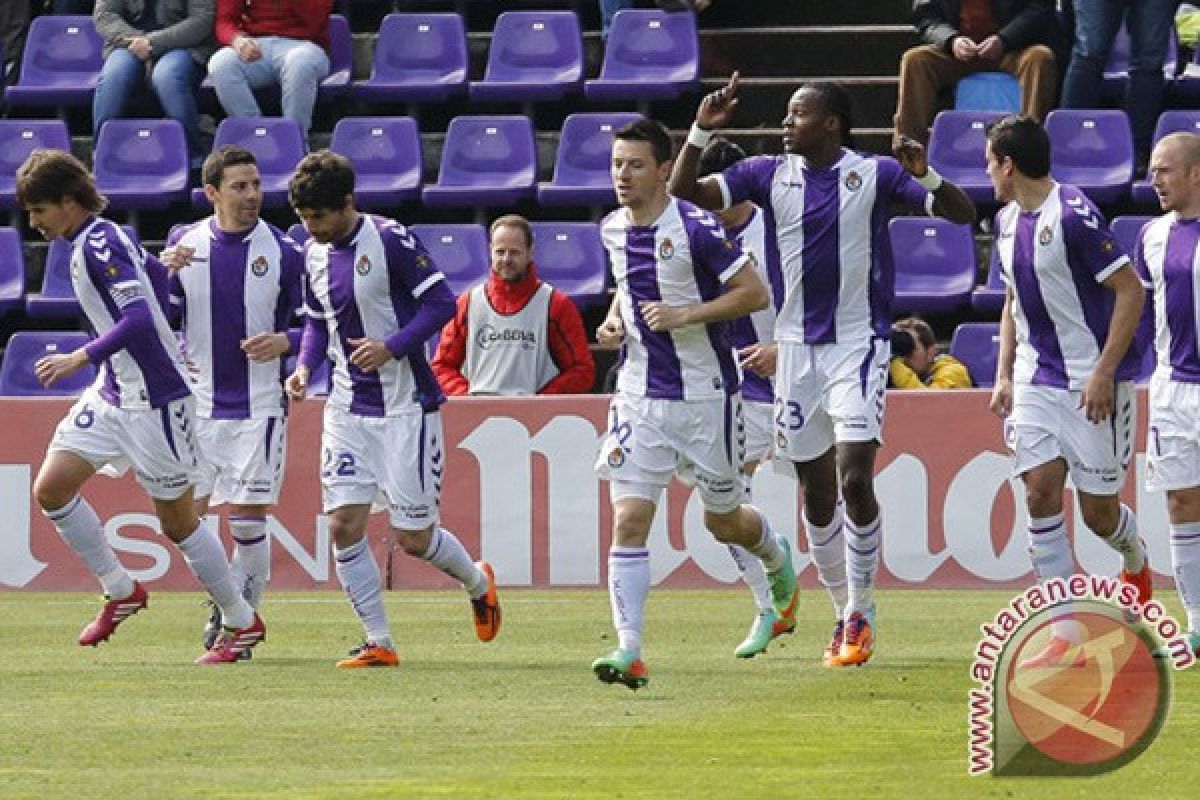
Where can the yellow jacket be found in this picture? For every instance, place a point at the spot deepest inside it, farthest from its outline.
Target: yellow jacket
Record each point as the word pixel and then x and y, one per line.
pixel 947 372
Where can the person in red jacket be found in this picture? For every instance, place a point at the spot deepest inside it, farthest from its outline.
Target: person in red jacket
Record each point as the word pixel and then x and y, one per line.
pixel 514 334
pixel 281 43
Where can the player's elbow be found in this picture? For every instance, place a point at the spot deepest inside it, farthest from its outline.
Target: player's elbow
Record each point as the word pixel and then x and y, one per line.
pixel 757 298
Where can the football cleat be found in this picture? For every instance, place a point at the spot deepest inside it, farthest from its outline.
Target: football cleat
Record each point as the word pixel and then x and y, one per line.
pixel 369 654
pixel 784 591
pixel 113 614
pixel 212 628
pixel 235 644
pixel 622 666
pixel 767 625
pixel 486 607
pixel 858 640
pixel 1142 581
pixel 830 657
pixel 1058 653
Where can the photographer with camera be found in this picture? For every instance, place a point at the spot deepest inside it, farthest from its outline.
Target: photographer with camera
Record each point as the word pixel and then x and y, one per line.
pixel 916 362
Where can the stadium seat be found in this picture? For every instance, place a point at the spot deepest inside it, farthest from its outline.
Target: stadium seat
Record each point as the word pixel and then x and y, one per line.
pixel 977 344
pixel 26 348
pixel 582 165
pixel 989 298
pixel 62 62
pixel 651 55
pixel 277 144
pixel 957 150
pixel 418 58
pixel 57 299
pixel 534 55
pixel 459 251
pixel 386 153
pixel 988 91
pixel 935 264
pixel 486 161
pixel 1168 122
pixel 1093 150
pixel 12 271
pixel 1116 71
pixel 570 256
pixel 141 163
pixel 18 138
pixel 1125 230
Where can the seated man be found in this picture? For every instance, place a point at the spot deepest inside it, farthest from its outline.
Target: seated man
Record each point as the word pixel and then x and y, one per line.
pixel 514 334
pixel 967 36
pixel 271 44
pixel 167 43
pixel 916 362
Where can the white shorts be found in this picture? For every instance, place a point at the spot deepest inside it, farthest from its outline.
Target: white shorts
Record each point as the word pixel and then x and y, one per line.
pixel 158 443
pixel 1173 435
pixel 760 430
pixel 1048 423
pixel 829 393
pixel 397 461
pixel 651 440
pixel 241 460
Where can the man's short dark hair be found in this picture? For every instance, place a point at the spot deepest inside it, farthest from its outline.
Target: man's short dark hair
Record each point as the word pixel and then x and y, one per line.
pixel 50 176
pixel 513 221
pixel 918 328
pixel 322 181
pixel 835 99
pixel 223 158
pixel 720 155
pixel 1025 141
pixel 652 131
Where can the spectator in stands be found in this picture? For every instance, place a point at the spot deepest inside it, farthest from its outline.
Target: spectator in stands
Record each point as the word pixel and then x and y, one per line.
pixel 14 27
pixel 1096 26
pixel 167 43
pixel 514 334
pixel 967 36
pixel 271 44
pixel 609 9
pixel 916 362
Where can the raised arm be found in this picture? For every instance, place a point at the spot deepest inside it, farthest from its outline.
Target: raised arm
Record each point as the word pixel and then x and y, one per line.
pixel 715 111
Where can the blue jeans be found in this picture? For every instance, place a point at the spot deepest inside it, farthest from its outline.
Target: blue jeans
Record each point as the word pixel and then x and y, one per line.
pixel 1096 26
pixel 296 66
pixel 175 77
pixel 609 9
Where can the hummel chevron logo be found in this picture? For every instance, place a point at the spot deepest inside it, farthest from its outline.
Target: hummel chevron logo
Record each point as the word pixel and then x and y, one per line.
pixel 1083 211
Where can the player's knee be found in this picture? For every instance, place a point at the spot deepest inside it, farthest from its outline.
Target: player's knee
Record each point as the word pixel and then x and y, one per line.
pixel 858 487
pixel 51 495
pixel 413 542
pixel 1101 517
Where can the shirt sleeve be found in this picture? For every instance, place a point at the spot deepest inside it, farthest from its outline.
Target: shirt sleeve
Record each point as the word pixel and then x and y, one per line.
pixel 1089 238
pixel 748 179
pixel 715 252
pixel 412 270
pixel 452 352
pixel 569 349
pixel 902 188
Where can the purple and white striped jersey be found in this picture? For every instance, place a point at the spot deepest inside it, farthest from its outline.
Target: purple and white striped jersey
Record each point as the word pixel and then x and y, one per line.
pixel 759 326
pixel 831 228
pixel 682 259
pixel 371 285
pixel 111 275
pixel 1055 260
pixel 1168 260
pixel 238 285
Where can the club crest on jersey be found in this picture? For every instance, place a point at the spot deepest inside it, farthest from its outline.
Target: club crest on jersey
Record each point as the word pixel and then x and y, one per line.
pixel 616 458
pixel 363 266
pixel 259 266
pixel 1107 245
pixel 853 181
pixel 1046 236
pixel 422 261
pixel 666 249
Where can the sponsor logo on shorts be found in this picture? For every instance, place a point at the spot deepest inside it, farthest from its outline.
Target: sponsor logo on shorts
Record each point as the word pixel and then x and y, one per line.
pixel 616 458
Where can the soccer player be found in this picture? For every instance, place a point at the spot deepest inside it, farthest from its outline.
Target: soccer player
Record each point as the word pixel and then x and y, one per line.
pixel 374 298
pixel 1072 304
pixel 235 286
pixel 828 206
pixel 677 409
pixel 1168 258
pixel 140 411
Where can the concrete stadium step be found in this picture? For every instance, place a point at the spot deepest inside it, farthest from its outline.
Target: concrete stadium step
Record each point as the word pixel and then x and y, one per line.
pixel 807 50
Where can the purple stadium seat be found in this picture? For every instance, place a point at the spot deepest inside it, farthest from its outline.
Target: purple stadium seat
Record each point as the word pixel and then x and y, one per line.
pixel 1116 71
pixel 935 264
pixel 1168 122
pixel 989 298
pixel 1093 150
pixel 957 150
pixel 386 153
pixel 535 55
pixel 651 55
pixel 62 61
pixel 1126 229
pixel 12 271
pixel 582 166
pixel 977 344
pixel 25 348
pixel 18 138
pixel 141 163
pixel 570 256
pixel 57 298
pixel 278 146
pixel 486 161
pixel 418 58
pixel 459 251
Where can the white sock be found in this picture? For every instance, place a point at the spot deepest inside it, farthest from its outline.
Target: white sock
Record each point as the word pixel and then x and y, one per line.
pixel 827 545
pixel 768 548
pixel 755 576
pixel 1185 556
pixel 205 556
pixel 251 556
pixel 78 524
pixel 1126 542
pixel 447 553
pixel 1048 548
pixel 358 573
pixel 628 585
pixel 862 562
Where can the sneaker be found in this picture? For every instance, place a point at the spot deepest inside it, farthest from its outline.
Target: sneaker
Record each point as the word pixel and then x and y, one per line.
pixel 113 614
pixel 858 640
pixel 830 657
pixel 784 590
pixel 486 607
pixel 212 628
pixel 1142 581
pixel 1058 653
pixel 622 666
pixel 767 625
pixel 234 643
pixel 369 654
